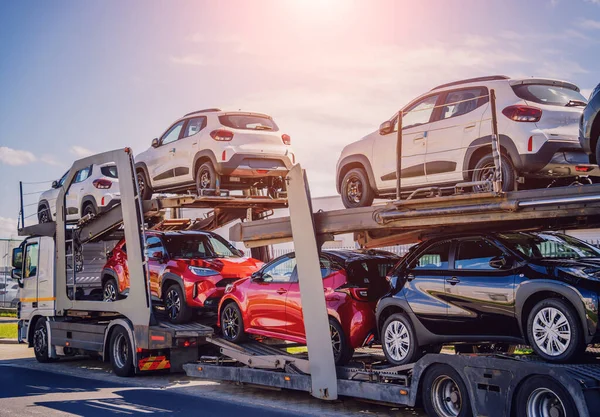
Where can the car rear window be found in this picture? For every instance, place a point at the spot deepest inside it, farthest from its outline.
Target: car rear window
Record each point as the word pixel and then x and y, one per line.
pixel 547 94
pixel 248 122
pixel 109 171
pixel 362 272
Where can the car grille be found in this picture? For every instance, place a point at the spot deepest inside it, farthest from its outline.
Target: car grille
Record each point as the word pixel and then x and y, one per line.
pixel 225 281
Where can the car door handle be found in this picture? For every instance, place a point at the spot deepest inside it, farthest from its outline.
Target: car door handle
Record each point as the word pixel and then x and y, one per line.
pixel 453 280
pixel 172 150
pixel 471 126
pixel 281 291
pixel 419 138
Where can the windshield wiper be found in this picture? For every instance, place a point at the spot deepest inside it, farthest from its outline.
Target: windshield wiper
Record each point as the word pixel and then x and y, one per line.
pixel 576 103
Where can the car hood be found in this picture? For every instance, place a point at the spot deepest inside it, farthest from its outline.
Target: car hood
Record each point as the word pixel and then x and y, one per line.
pixel 568 269
pixel 228 267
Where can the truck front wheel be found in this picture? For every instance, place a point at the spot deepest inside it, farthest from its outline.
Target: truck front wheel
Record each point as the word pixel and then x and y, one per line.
pixel 121 353
pixel 40 342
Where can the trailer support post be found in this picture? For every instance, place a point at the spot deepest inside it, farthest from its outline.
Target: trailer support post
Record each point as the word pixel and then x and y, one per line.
pixel 399 157
pixel 497 183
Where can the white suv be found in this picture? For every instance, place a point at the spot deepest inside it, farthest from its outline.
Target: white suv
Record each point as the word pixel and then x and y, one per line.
pixel 212 150
pixel 447 136
pixel 94 189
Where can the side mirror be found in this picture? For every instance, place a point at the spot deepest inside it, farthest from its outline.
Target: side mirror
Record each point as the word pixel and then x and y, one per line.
pixel 157 256
pixel 17 258
pixel 15 274
pixel 239 252
pixel 501 262
pixel 256 276
pixel 155 143
pixel 54 184
pixel 386 127
pixel 393 280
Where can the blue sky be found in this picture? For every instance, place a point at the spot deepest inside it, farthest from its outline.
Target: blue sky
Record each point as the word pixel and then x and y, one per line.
pixel 83 76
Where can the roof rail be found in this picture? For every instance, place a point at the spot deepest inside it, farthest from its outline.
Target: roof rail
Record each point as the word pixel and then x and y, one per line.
pixel 203 111
pixel 473 80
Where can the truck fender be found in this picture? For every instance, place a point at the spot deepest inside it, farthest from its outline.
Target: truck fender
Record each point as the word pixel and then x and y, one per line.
pixel 574 297
pixel 126 324
pixel 357 158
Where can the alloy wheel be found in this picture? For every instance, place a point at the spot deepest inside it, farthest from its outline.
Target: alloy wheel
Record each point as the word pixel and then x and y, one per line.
pixel 543 402
pixel 551 331
pixel 485 173
pixel 43 217
pixel 173 303
pixel 120 350
pixel 446 397
pixel 110 292
pixel 354 189
pixel 336 341
pixel 40 338
pixel 231 323
pixel 204 179
pixel 141 183
pixel 397 340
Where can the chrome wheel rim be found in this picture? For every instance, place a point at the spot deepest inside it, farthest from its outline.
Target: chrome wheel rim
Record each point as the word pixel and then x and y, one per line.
pixel 336 341
pixel 397 340
pixel 446 397
pixel 43 216
pixel 141 184
pixel 204 179
pixel 110 292
pixel 544 402
pixel 551 331
pixel 120 350
pixel 230 323
pixel 173 303
pixel 354 189
pixel 39 340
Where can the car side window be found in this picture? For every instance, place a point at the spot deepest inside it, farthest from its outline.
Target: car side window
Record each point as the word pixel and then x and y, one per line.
pixel 153 245
pixel 476 254
pixel 62 179
pixel 461 102
pixel 419 113
pixel 436 257
pixel 173 134
pixel 326 268
pixel 31 261
pixel 83 174
pixel 280 271
pixel 194 126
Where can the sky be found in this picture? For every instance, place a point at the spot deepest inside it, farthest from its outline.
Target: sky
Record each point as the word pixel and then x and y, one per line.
pixel 80 77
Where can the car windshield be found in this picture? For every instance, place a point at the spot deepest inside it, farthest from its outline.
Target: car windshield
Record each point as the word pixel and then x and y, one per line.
pixel 549 94
pixel 248 122
pixel 199 246
pixel 109 171
pixel 549 246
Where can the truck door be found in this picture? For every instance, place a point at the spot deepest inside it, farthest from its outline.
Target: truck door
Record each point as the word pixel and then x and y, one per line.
pixel 29 274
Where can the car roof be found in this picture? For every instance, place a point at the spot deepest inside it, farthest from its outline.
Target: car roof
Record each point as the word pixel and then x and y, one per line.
pixel 495 79
pixel 219 112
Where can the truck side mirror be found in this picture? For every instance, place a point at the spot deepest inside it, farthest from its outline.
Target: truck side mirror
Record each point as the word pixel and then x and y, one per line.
pixel 15 274
pixel 155 143
pixel 386 127
pixel 17 258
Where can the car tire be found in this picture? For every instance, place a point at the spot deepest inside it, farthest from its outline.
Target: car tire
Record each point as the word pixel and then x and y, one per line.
pixel 399 341
pixel 44 215
pixel 444 392
pixel 40 342
pixel 597 152
pixel 121 353
pixel 206 178
pixel 143 184
pixel 544 396
pixel 557 316
pixel 175 305
pixel 232 323
pixel 110 290
pixel 88 208
pixel 342 351
pixel 484 170
pixel 356 190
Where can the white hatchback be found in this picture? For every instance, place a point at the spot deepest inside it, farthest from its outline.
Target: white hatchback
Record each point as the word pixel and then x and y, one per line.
pixel 212 150
pixel 94 189
pixel 447 136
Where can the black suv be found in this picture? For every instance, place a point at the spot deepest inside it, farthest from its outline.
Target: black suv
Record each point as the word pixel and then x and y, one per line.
pixel 539 289
pixel 589 127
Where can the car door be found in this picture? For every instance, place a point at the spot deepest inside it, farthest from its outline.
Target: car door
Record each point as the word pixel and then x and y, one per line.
pixel 156 264
pixel 76 192
pixel 161 158
pixel 455 126
pixel 425 279
pixel 481 297
pixel 29 277
pixel 415 119
pixel 186 148
pixel 267 296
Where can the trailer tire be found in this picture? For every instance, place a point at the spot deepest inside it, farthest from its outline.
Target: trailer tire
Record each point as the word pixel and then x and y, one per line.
pixel 232 323
pixel 444 393
pixel 344 352
pixel 40 342
pixel 121 353
pixel 542 396
pixel 396 331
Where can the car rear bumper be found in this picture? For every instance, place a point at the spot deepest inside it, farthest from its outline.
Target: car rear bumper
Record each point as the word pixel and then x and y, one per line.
pixel 559 159
pixel 254 165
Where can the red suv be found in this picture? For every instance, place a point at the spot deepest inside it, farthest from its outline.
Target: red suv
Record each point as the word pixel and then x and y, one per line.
pixel 188 270
pixel 268 303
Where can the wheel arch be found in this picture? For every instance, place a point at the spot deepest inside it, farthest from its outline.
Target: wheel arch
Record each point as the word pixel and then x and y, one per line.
pixel 109 274
pixel 385 309
pixel 477 149
pixel 169 279
pixel 88 199
pixel 114 324
pixel 32 323
pixel 354 161
pixel 141 166
pixel 202 157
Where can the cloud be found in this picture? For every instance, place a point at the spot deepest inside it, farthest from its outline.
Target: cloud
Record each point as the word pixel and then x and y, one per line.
pixel 593 1
pixel 590 24
pixel 80 151
pixel 194 60
pixel 8 228
pixel 15 157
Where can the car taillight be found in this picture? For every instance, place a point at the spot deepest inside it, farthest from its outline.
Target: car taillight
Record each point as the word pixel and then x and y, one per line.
pixel 521 113
pixel 221 135
pixel 530 144
pixel 583 168
pixel 360 294
pixel 102 184
pixel 286 139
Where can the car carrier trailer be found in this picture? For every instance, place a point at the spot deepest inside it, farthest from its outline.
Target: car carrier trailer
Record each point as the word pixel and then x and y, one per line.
pixel 131 335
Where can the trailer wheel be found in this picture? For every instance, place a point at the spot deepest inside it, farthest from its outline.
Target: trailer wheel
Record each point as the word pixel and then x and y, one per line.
pixel 232 323
pixel 399 340
pixel 342 351
pixel 540 396
pixel 121 353
pixel 40 342
pixel 444 393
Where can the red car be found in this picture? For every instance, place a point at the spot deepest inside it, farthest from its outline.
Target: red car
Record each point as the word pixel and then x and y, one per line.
pixel 188 270
pixel 268 303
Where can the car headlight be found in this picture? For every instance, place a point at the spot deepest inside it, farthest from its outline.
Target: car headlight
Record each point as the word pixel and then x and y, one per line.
pixel 228 288
pixel 202 272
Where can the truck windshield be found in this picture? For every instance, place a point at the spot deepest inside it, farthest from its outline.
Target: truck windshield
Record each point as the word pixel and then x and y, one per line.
pixel 549 246
pixel 199 246
pixel 548 94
